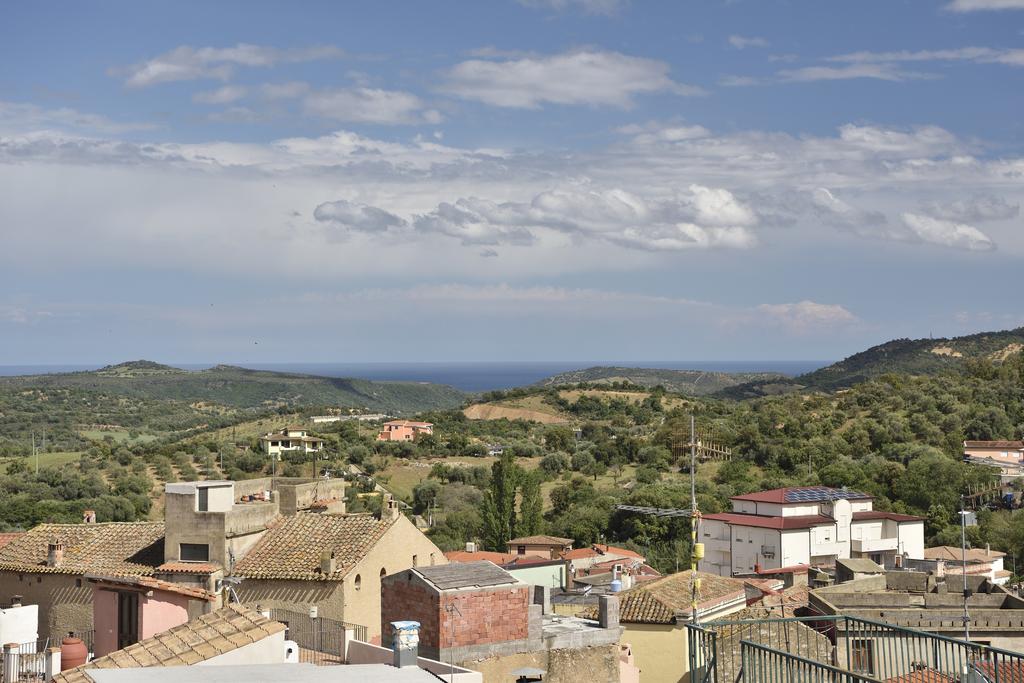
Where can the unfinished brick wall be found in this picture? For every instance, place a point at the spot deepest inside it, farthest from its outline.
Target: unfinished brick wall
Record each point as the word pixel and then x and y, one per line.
pixel 485 616
pixel 405 599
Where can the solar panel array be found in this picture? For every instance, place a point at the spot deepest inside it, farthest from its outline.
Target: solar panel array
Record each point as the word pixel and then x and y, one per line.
pixel 816 494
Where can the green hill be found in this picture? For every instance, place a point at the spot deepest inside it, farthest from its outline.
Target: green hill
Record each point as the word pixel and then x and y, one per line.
pixel 905 356
pixel 237 387
pixel 689 382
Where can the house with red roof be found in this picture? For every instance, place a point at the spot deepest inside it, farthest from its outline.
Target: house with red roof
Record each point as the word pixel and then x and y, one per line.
pixel 805 525
pixel 583 559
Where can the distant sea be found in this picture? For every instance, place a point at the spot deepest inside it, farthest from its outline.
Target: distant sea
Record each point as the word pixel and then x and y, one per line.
pixel 469 376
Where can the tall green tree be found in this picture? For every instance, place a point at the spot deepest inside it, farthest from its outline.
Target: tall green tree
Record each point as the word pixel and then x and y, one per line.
pixel 531 507
pixel 500 503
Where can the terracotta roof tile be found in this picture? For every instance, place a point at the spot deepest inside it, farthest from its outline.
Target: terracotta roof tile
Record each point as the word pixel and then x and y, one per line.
pixel 178 647
pixel 6 538
pixel 292 548
pixel 662 600
pixel 954 554
pixel 129 548
pixel 766 522
pixel 155 584
pixel 188 568
pixel 540 540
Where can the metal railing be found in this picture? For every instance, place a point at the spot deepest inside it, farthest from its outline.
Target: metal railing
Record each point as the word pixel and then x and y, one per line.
pixel 321 640
pixel 30 662
pixel 823 647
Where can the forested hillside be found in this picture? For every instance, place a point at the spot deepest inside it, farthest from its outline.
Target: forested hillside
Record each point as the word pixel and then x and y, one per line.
pixel 690 382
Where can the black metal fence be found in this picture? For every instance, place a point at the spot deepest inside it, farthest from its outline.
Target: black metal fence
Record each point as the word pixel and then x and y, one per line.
pixel 321 640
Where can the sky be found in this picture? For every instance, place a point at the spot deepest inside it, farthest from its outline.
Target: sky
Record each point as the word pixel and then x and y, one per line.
pixel 253 181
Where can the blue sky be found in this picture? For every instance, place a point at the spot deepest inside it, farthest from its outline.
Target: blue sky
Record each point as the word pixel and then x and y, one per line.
pixel 544 179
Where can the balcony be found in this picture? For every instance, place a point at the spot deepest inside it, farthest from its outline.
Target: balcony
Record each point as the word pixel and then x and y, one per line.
pixel 873 545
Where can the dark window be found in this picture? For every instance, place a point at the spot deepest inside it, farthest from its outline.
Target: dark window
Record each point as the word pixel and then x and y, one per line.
pixel 127 619
pixel 862 658
pixel 204 499
pixel 195 552
pixel 521 550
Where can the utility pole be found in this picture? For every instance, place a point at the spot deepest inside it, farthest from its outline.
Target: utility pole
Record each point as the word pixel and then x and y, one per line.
pixel 696 550
pixel 963 569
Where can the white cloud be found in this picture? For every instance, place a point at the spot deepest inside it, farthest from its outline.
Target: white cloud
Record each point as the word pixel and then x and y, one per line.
pixel 975 209
pixel 356 217
pixel 702 217
pixel 369 105
pixel 982 5
pixel 187 63
pixel 983 55
pixel 654 132
pixel 882 72
pixel 224 95
pixel 18 117
pixel 607 7
pixel 586 77
pixel 741 42
pixel 947 233
pixel 836 212
pixel 806 316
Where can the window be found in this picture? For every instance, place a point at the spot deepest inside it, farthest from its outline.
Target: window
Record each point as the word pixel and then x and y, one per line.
pixel 862 656
pixel 358 582
pixel 431 559
pixel 204 499
pixel 194 552
pixel 383 572
pixel 521 550
pixel 414 558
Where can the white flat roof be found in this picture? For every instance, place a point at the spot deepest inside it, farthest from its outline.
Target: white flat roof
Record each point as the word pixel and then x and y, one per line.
pixel 266 673
pixel 191 486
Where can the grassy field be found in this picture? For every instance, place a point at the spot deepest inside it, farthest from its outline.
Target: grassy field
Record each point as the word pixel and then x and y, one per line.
pixel 47 460
pixel 118 435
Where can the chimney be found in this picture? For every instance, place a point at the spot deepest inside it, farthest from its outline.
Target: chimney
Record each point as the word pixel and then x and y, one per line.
pixel 15 601
pixel 88 517
pixel 608 611
pixel 327 562
pixel 389 512
pixel 470 547
pixel 55 554
pixel 988 550
pixel 405 643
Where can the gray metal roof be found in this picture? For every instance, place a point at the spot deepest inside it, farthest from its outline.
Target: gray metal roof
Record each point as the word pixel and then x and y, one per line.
pixel 466 575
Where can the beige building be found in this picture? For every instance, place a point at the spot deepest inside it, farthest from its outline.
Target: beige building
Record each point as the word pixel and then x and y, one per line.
pixel 980 562
pixel 334 563
pixel 549 547
pixel 1008 456
pixel 654 616
pixel 291 439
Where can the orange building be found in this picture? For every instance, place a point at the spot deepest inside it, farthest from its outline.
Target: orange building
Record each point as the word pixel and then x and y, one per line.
pixel 404 430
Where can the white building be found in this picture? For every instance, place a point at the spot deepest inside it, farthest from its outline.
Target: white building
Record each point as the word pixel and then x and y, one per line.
pixel 811 525
pixel 289 440
pixel 982 562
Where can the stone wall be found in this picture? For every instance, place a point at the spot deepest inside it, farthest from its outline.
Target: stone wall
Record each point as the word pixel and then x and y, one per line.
pixel 64 600
pixel 582 665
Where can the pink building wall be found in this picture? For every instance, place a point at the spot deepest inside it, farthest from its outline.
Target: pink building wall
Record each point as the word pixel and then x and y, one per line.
pixel 161 612
pixel 158 613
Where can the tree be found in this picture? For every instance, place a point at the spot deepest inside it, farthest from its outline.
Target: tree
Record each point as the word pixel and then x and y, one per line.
pixel 531 507
pixel 499 509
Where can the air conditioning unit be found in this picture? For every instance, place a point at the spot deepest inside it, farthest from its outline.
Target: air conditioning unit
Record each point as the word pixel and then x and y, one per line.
pixel 768 551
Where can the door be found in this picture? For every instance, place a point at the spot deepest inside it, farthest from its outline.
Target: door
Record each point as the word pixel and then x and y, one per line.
pixel 127 619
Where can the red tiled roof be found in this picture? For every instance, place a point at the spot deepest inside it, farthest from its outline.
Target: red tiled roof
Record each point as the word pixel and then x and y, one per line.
pixel 994 444
pixel 130 548
pixel 292 548
pixel 597 550
pixel 496 558
pixel 155 584
pixel 867 515
pixel 765 522
pixel 663 600
pixel 6 538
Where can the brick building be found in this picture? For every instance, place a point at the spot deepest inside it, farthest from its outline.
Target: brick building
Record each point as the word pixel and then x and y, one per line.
pixel 479 616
